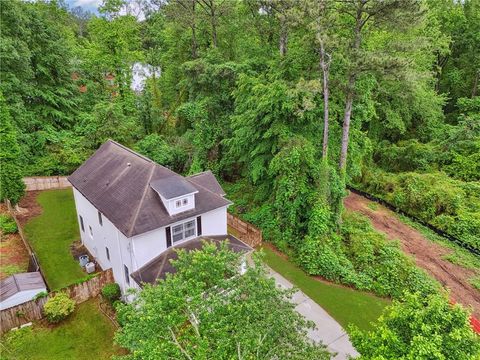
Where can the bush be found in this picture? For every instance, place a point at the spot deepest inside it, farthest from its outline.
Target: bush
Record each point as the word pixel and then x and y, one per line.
pixel 58 307
pixel 7 224
pixel 111 292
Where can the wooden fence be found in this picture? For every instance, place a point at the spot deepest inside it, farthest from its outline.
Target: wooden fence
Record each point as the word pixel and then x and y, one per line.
pixel 33 309
pixel 46 183
pixel 246 232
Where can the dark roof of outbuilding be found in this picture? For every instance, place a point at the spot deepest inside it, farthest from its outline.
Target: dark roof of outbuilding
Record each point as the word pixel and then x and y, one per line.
pixel 116 180
pixel 20 282
pixel 158 267
pixel 208 181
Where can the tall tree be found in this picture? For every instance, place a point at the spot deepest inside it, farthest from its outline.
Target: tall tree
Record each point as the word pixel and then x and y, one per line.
pixel 367 15
pixel 206 310
pixel 11 182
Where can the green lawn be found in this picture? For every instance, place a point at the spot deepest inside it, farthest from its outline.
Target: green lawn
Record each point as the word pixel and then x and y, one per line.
pixel 86 334
pixel 51 234
pixel 347 306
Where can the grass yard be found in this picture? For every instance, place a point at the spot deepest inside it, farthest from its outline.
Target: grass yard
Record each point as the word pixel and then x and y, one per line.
pixel 51 235
pixel 346 305
pixel 86 334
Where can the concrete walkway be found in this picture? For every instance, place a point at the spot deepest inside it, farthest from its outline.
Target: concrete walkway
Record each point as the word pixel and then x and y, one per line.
pixel 328 331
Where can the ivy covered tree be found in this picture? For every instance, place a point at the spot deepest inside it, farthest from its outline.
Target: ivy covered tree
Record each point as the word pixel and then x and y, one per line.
pixel 11 182
pixel 207 310
pixel 419 327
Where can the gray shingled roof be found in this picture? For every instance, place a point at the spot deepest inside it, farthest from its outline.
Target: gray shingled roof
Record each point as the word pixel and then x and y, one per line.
pixel 172 187
pixel 20 282
pixel 160 266
pixel 116 180
pixel 208 181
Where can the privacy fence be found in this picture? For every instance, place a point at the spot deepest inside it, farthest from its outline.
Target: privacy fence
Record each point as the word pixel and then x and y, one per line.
pixel 392 207
pixel 46 183
pixel 33 310
pixel 246 232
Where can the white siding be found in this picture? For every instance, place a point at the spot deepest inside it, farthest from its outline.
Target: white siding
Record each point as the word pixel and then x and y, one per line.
pixel 136 251
pixel 215 222
pixel 20 298
pixel 105 235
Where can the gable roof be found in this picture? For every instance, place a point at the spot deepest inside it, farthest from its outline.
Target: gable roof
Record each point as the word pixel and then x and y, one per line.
pixel 208 181
pixel 20 282
pixel 117 181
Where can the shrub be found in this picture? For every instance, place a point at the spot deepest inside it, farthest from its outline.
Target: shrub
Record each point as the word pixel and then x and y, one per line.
pixel 111 292
pixel 58 307
pixel 7 224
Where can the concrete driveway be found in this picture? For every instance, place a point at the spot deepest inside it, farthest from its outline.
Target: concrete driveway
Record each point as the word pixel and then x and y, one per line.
pixel 328 331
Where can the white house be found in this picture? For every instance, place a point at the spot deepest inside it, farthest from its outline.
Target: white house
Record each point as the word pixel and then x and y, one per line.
pixel 132 212
pixel 20 288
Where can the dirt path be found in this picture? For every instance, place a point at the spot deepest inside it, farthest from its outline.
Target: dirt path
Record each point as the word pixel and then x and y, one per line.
pixel 427 254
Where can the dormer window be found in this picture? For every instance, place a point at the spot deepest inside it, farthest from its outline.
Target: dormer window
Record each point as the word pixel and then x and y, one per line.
pixel 176 193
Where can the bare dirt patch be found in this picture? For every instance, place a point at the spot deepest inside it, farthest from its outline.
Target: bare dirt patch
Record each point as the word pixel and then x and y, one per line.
pixel 13 254
pixel 427 254
pixel 29 207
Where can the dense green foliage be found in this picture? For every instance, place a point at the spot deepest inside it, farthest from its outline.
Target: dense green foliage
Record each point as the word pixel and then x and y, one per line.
pixel 245 88
pixel 420 328
pixel 207 310
pixel 111 292
pixel 57 308
pixel 7 224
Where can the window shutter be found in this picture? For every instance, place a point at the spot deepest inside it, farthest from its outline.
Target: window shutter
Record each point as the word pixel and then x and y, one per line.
pixel 168 233
pixel 199 225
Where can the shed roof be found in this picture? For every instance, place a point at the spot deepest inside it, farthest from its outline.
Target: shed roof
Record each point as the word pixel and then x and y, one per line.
pixel 116 180
pixel 208 181
pixel 20 282
pixel 160 266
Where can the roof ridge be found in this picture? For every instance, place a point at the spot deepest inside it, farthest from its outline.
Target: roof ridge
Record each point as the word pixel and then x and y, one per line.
pixel 131 151
pixel 200 173
pixel 137 211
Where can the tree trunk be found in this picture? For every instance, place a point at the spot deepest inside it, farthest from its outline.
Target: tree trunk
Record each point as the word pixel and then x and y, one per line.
pixel 283 38
pixel 194 32
pixel 213 21
pixel 346 124
pixel 325 65
pixel 475 84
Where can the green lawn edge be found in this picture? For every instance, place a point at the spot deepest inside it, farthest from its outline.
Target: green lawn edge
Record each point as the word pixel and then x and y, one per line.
pixel 51 234
pixel 87 333
pixel 345 305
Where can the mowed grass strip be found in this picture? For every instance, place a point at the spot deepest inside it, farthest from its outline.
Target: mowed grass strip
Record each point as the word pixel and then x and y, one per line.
pixel 346 305
pixel 51 234
pixel 86 334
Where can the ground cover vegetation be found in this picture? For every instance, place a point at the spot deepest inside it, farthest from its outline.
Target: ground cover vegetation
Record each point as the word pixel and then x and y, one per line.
pixel 286 101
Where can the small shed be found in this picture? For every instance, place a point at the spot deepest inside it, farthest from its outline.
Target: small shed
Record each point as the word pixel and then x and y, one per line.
pixel 20 288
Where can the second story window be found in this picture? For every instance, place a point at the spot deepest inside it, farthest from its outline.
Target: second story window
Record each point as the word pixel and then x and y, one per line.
pixel 181 203
pixel 91 231
pixel 100 220
pixel 178 203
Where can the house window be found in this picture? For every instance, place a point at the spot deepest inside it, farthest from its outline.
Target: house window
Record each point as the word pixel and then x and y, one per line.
pixel 108 253
pixel 100 221
pixel 91 231
pixel 81 223
pixel 183 231
pixel 127 275
pixel 181 202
